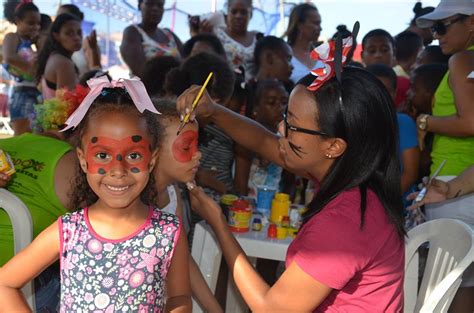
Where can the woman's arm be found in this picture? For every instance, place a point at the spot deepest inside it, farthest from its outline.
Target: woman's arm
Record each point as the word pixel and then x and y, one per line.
pixel 462 123
pixel 178 288
pixel 243 130
pixel 243 162
pixel 439 191
pixel 132 50
pixel 411 161
pixel 461 185
pixel 295 291
pixel 25 266
pixel 92 51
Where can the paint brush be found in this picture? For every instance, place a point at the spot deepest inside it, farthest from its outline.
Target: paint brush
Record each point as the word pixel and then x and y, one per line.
pixel 423 191
pixel 195 102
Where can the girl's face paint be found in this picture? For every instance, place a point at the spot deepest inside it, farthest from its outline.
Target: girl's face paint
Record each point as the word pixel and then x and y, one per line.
pixel 131 153
pixel 185 146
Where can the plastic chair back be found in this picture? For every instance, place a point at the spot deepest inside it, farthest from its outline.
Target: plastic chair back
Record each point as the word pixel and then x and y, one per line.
pixel 22 232
pixel 451 251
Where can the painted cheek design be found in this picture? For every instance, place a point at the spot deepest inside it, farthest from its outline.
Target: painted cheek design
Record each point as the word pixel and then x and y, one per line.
pixel 117 152
pixel 185 146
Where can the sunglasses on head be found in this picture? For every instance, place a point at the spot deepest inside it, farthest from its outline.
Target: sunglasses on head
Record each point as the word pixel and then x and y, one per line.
pixel 288 126
pixel 442 27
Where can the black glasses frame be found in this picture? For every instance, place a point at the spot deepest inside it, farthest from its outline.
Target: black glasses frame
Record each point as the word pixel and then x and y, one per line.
pixel 288 126
pixel 441 28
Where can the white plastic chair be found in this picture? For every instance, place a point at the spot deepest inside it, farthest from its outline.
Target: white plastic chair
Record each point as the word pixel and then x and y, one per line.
pixel 451 251
pixel 22 232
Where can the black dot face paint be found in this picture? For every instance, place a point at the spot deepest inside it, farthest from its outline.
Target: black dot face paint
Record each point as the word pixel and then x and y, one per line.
pixel 118 150
pixel 94 139
pixel 136 138
pixel 135 170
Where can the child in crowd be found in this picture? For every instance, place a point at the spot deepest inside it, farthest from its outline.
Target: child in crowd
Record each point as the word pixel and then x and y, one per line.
pixel 19 57
pixel 271 100
pixel 407 47
pixel 425 79
pixel 378 47
pixel 217 148
pixel 272 57
pixel 178 163
pixel 55 68
pixel 88 57
pixel 408 146
pixel 154 73
pixel 431 54
pixel 117 253
pixel 205 42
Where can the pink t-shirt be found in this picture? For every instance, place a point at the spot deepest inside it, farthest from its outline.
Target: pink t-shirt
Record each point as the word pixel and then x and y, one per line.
pixel 364 267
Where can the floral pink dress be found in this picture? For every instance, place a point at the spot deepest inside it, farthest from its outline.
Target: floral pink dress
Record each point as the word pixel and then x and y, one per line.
pixel 124 275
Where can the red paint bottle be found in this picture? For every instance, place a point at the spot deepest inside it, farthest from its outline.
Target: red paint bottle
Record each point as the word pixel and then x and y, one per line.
pixel 272 231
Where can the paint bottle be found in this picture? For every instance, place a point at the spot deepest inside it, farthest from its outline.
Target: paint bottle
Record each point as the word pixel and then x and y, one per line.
pixel 226 202
pixel 239 216
pixel 280 207
pixel 272 231
pixel 257 224
pixel 282 232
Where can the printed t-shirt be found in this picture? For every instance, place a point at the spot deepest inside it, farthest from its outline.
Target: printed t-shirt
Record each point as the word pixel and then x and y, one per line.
pixel 35 158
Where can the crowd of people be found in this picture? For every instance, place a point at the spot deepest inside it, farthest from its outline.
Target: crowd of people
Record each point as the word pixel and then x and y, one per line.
pixel 115 180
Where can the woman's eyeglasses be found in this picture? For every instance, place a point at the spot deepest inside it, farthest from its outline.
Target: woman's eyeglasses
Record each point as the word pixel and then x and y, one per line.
pixel 287 127
pixel 442 27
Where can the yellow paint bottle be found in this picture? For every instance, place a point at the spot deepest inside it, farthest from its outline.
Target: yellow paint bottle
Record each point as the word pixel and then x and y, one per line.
pixel 280 207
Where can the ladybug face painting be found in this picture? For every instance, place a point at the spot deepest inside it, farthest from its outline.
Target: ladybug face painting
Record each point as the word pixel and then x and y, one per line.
pixel 131 153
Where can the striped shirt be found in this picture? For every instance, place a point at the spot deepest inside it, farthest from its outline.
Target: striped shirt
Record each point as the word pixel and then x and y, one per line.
pixel 218 155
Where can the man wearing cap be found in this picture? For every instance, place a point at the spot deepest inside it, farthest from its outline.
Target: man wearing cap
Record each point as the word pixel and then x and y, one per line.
pixel 452 122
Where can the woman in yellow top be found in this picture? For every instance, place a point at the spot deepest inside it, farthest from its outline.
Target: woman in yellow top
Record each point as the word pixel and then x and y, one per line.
pixel 452 122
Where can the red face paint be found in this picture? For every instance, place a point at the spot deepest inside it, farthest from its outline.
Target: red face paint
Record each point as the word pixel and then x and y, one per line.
pixel 185 146
pixel 132 153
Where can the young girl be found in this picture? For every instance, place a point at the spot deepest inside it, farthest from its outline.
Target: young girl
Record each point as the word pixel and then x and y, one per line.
pixel 19 58
pixel 218 153
pixel 55 69
pixel 178 163
pixel 118 252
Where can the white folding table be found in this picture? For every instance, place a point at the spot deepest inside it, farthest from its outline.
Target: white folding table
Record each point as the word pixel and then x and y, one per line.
pixel 207 254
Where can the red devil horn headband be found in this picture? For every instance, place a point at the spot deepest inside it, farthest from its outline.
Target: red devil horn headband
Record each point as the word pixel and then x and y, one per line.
pixel 333 55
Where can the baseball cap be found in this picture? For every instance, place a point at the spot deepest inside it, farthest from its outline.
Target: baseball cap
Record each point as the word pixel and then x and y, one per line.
pixel 445 9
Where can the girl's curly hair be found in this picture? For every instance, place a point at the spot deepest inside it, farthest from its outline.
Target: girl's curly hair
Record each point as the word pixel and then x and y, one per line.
pixel 112 100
